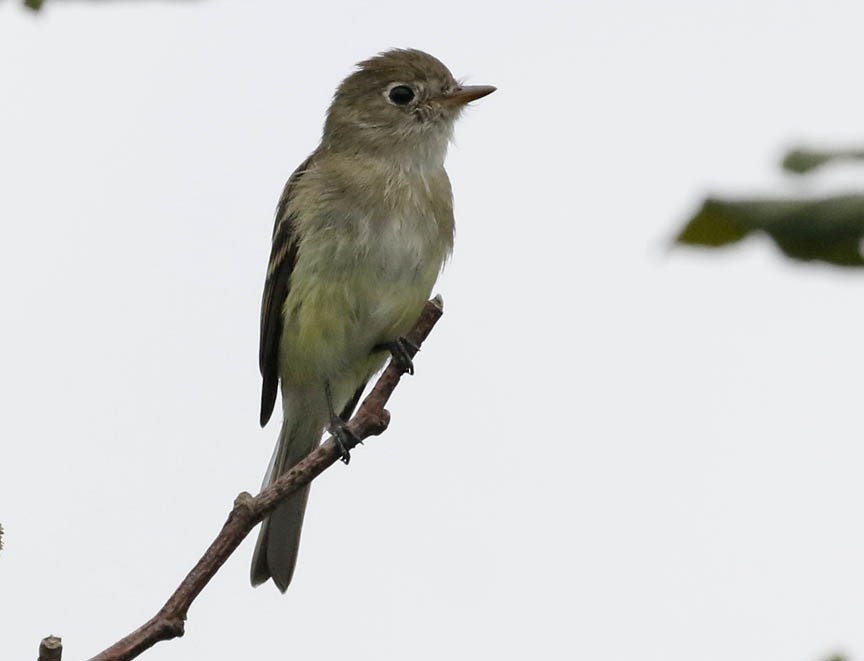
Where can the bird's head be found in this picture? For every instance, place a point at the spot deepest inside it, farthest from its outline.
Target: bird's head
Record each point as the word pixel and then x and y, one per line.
pixel 396 102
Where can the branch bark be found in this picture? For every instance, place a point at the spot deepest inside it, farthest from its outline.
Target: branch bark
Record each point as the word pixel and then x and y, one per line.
pixel 50 649
pixel 371 419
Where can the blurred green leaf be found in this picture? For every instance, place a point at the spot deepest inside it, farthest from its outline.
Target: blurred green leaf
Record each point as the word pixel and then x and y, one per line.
pixel 36 5
pixel 836 657
pixel 802 161
pixel 829 230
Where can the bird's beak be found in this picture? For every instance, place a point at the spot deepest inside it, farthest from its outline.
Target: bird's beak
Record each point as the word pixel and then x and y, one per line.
pixel 465 94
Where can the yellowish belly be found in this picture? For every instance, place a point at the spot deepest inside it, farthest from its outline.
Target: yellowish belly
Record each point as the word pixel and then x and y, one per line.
pixel 333 321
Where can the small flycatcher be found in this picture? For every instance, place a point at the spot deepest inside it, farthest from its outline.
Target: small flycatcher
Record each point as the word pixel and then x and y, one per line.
pixel 363 228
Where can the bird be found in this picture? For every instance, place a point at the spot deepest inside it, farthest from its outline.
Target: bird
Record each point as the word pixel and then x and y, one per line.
pixel 363 228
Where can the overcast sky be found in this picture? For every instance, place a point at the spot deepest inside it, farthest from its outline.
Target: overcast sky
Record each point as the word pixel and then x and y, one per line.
pixel 609 450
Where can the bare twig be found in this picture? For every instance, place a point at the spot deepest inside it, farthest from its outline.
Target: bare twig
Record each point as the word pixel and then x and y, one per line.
pixel 50 649
pixel 370 420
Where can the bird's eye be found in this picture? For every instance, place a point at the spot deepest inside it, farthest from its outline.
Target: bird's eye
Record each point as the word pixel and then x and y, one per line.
pixel 401 95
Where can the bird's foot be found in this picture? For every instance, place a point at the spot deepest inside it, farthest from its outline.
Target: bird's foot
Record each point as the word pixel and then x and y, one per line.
pixel 344 437
pixel 402 350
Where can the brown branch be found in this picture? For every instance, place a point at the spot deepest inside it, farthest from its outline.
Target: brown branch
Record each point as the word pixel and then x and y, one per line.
pixel 370 420
pixel 51 649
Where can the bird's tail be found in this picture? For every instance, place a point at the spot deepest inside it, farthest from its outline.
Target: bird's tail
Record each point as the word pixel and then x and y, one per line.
pixel 279 539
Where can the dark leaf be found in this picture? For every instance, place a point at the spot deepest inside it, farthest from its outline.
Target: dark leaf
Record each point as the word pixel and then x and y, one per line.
pixel 829 230
pixel 802 161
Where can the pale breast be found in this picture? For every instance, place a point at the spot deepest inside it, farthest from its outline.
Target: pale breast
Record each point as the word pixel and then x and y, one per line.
pixel 405 243
pixel 372 244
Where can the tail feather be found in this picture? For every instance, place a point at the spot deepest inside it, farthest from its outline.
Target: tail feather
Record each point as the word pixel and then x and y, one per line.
pixel 279 539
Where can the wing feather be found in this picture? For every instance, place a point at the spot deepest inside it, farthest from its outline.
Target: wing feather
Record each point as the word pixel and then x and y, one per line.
pixel 283 256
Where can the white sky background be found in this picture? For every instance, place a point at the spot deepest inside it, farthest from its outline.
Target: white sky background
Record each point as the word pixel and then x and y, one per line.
pixel 609 451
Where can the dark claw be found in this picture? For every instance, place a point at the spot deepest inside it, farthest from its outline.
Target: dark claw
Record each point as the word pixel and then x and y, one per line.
pixel 344 438
pixel 402 349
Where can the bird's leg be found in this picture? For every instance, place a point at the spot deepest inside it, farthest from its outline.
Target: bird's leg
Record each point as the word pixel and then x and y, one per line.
pixel 344 437
pixel 402 350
